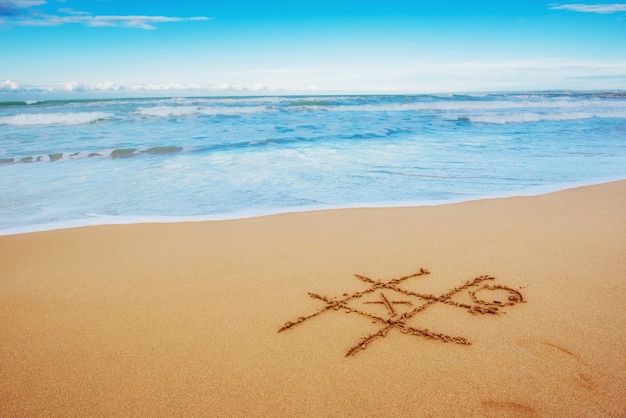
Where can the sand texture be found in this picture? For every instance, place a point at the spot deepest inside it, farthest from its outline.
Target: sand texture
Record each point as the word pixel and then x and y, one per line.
pixel 502 307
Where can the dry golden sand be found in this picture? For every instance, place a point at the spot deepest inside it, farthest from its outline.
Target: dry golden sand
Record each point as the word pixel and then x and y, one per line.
pixel 183 319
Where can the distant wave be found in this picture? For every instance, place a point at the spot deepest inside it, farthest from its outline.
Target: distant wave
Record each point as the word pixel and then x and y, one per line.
pixel 131 152
pixel 181 111
pixel 312 102
pixel 74 118
pixel 530 117
pixel 113 154
pixel 462 105
pixel 14 103
pixel 486 108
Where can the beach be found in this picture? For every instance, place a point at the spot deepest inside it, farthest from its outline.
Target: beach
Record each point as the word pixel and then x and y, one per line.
pixel 496 307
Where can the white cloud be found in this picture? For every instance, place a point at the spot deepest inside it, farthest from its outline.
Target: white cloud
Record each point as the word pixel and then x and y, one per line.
pixel 231 87
pixel 259 87
pixel 75 86
pixel 140 22
pixel 163 87
pixel 70 16
pixel 68 11
pixel 590 8
pixel 108 86
pixel 9 85
pixel 243 88
pixel 19 4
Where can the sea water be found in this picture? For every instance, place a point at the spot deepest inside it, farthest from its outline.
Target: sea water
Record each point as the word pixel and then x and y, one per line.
pixel 82 162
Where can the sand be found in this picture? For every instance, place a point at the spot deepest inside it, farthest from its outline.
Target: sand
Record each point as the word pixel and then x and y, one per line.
pixel 501 307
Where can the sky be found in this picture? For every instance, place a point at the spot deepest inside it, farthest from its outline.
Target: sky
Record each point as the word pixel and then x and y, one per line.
pixel 93 48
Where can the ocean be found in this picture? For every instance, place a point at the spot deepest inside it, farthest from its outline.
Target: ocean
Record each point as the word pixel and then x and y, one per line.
pixel 69 163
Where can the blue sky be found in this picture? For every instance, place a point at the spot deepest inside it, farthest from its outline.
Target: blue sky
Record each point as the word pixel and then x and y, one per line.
pixel 186 47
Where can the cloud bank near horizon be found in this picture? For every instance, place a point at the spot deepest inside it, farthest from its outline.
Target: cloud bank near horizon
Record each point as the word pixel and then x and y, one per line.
pixel 9 86
pixel 418 77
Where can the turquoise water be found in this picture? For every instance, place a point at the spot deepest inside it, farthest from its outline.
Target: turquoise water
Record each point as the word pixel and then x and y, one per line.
pixel 65 163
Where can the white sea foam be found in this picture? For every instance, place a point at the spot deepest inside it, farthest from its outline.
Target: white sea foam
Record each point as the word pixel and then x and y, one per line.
pixel 469 106
pixel 94 219
pixel 73 118
pixel 182 111
pixel 530 117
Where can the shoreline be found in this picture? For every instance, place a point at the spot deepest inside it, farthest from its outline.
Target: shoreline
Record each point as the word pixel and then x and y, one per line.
pixel 498 307
pixel 101 220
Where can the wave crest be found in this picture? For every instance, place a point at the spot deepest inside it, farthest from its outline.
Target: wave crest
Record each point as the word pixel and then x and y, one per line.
pixel 532 117
pixel 73 118
pixel 182 111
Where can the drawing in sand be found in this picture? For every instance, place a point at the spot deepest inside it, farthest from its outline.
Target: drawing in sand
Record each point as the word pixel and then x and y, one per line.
pixel 399 311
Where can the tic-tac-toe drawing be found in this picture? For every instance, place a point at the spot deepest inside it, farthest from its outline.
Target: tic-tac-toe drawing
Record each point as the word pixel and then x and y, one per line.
pixel 396 305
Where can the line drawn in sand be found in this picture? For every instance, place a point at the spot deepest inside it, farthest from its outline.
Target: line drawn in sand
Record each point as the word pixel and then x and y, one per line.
pixel 399 311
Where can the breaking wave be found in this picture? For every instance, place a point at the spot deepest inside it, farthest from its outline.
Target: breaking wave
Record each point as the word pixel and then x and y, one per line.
pixel 532 117
pixel 36 119
pixel 111 153
pixel 182 111
pixel 466 105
